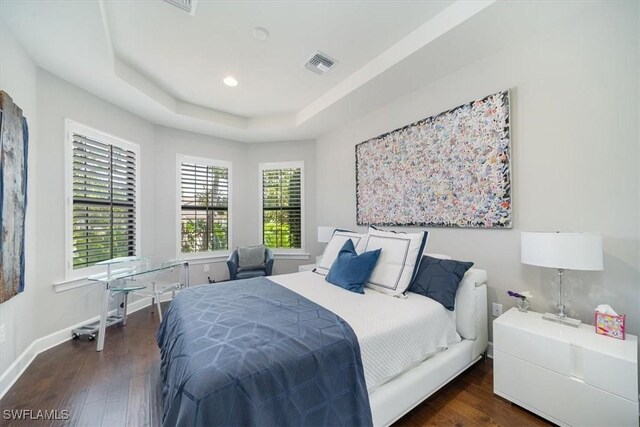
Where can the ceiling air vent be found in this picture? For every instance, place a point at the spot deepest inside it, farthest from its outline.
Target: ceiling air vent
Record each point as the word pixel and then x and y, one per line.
pixel 319 63
pixel 188 6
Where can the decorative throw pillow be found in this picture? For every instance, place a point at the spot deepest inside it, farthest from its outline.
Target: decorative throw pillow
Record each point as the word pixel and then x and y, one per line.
pixel 335 244
pixel 350 270
pixel 399 260
pixel 439 279
pixel 439 256
pixel 251 257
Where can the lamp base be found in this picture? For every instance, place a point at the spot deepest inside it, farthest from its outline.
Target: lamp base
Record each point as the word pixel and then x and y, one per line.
pixel 562 319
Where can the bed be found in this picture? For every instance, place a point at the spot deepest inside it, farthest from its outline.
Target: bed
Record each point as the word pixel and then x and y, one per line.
pixel 437 346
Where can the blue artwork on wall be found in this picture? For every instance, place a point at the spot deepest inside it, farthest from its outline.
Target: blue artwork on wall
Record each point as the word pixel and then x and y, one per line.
pixel 14 139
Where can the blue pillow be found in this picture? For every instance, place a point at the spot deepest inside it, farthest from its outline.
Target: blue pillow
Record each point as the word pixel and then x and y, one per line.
pixel 439 279
pixel 350 270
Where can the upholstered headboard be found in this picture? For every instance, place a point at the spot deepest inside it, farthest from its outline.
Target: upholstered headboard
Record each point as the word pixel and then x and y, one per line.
pixel 471 309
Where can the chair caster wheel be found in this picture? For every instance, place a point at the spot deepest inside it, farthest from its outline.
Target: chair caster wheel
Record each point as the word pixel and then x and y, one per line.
pixel 75 336
pixel 92 337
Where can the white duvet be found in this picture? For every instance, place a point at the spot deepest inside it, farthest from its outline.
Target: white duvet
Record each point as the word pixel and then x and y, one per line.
pixel 395 334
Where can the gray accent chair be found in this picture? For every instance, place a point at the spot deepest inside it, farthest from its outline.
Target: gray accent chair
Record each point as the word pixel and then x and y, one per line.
pixel 236 272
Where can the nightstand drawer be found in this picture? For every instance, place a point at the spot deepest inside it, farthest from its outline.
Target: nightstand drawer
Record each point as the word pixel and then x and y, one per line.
pixel 610 373
pixel 563 400
pixel 535 348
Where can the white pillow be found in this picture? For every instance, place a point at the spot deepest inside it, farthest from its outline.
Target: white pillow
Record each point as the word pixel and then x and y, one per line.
pixel 399 259
pixel 333 248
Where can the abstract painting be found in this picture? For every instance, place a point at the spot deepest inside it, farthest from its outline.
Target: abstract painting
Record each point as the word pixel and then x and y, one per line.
pixel 448 170
pixel 14 137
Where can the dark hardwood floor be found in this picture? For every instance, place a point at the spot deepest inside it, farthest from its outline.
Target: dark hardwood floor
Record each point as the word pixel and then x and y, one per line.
pixel 121 386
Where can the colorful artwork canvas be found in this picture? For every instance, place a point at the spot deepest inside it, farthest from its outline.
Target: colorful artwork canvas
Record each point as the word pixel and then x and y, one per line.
pixel 449 170
pixel 14 137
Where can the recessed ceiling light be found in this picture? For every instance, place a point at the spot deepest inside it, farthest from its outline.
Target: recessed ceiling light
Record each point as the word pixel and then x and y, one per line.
pixel 260 33
pixel 230 81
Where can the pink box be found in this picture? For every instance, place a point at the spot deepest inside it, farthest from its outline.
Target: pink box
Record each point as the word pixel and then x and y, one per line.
pixel 609 325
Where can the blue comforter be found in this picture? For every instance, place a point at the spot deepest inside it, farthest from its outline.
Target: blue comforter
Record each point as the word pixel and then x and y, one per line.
pixel 253 353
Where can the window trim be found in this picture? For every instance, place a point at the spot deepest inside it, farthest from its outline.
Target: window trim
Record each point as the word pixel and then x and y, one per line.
pixel 283 165
pixel 184 158
pixel 71 127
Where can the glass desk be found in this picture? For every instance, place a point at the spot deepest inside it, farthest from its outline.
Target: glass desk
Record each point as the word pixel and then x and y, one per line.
pixel 123 276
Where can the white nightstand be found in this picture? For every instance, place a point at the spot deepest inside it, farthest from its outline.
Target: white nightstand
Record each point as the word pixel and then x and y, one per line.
pixel 571 376
pixel 306 267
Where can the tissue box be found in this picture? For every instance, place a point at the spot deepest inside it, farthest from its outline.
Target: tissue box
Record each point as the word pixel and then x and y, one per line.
pixel 607 324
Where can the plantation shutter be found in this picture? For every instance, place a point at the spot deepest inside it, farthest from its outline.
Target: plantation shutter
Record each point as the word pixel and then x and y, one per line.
pixel 104 202
pixel 282 208
pixel 204 208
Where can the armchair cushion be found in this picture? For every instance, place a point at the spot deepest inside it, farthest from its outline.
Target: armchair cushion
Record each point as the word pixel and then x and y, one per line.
pixel 248 274
pixel 251 257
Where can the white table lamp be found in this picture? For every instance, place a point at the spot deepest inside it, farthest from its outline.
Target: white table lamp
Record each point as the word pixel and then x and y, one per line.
pixel 563 251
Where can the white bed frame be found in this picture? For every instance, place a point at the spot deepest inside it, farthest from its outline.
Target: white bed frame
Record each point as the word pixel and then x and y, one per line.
pixel 392 400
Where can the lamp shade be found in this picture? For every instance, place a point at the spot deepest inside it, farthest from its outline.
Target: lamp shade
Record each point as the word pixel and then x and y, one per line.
pixel 325 234
pixel 571 251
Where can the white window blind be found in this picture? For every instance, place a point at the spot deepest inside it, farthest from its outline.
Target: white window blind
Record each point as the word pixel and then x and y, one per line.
pixel 282 208
pixel 104 202
pixel 204 195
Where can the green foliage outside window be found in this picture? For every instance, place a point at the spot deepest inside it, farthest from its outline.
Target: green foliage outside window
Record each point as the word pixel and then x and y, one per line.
pixel 204 210
pixel 196 239
pixel 282 208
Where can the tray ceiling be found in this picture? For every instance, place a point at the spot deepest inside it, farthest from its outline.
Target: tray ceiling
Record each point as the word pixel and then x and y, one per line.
pixel 167 66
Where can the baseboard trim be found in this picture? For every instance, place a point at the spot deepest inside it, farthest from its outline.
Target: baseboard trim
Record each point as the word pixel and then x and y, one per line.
pixel 490 350
pixel 20 365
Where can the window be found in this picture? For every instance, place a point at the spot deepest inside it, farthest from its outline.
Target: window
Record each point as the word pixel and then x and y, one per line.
pixel 204 205
pixel 282 199
pixel 103 211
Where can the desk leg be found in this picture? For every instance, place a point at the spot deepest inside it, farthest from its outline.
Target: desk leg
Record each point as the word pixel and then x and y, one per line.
pixel 103 319
pixel 125 299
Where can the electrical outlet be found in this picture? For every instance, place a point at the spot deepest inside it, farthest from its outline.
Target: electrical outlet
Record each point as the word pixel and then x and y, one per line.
pixel 206 268
pixel 2 336
pixel 496 309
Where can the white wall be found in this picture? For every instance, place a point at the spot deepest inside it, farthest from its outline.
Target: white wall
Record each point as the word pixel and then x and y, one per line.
pixel 245 204
pixel 39 310
pixel 47 101
pixel 575 157
pixel 59 100
pixel 169 143
pixel 284 152
pixel 18 79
